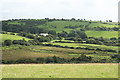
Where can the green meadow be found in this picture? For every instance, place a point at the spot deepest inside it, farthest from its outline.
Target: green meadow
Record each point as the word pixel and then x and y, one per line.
pixel 60 71
pixel 104 34
pixel 12 37
pixel 58 26
pixel 86 45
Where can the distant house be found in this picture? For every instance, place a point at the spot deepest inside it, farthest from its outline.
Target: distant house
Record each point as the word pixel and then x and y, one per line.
pixel 43 34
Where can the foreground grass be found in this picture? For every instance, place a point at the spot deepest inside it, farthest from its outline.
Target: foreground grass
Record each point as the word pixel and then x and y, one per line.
pixel 60 71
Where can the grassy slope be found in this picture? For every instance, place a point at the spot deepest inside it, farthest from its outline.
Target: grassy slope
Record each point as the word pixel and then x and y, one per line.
pixel 104 34
pixel 108 25
pixel 60 71
pixel 61 24
pixel 86 45
pixel 12 37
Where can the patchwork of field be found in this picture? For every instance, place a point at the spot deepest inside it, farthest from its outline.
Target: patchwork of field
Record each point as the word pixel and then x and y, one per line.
pixel 60 71
pixel 82 45
pixel 87 70
pixel 33 52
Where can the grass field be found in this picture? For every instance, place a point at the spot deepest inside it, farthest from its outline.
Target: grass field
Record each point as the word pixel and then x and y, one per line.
pixel 12 37
pixel 14 53
pixel 104 34
pixel 60 71
pixel 32 52
pixel 86 45
pixel 58 26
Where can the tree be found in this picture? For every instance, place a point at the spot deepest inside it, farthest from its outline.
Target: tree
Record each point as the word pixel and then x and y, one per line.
pixel 49 60
pixel 8 42
pixel 110 20
pixel 53 32
pixel 106 20
pixel 60 38
pixel 73 19
pixel 63 34
pixel 55 59
pixel 40 60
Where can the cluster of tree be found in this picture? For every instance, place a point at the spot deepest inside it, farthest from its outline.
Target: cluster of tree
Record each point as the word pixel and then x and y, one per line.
pixel 3 32
pixel 98 28
pixel 108 20
pixel 72 19
pixel 92 40
pixel 27 27
pixel 73 33
pixel 10 42
pixel 102 28
pixel 28 35
pixel 74 27
pixel 36 41
pixel 82 59
pixel 48 19
pixel 31 23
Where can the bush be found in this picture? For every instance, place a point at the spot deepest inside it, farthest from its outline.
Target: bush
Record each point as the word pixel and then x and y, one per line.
pixel 40 60
pixel 8 42
pixel 25 61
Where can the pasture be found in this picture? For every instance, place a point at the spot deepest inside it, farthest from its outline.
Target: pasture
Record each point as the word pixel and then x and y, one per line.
pixel 12 37
pixel 60 71
pixel 104 34
pixel 58 26
pixel 16 52
pixel 86 45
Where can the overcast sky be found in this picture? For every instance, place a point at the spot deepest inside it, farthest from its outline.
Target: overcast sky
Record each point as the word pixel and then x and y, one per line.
pixel 79 9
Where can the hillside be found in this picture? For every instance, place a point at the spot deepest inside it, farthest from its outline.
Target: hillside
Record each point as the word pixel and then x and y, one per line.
pixel 69 41
pixel 91 28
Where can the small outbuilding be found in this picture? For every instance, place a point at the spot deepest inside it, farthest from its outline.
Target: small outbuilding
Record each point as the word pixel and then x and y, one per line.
pixel 44 34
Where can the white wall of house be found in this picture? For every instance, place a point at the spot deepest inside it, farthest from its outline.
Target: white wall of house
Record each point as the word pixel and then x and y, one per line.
pixel 44 34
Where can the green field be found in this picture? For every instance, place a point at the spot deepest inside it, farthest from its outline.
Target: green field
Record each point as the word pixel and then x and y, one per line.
pixel 12 37
pixel 16 52
pixel 104 34
pixel 33 52
pixel 60 71
pixel 61 24
pixel 86 45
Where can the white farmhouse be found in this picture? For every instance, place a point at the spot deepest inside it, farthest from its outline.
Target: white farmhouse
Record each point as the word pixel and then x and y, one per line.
pixel 43 34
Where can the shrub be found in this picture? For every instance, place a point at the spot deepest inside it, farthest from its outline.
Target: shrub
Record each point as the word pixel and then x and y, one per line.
pixel 8 42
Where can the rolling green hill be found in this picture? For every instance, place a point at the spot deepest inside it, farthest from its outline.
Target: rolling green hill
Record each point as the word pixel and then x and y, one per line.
pixel 61 25
pixel 58 26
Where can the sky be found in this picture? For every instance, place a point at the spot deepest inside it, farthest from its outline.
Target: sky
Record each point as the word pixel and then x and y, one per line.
pixel 79 9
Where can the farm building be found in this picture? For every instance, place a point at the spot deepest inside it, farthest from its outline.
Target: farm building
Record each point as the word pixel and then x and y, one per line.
pixel 43 34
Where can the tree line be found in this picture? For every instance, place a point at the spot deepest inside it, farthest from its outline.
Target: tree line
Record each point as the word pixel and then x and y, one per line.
pixel 41 60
